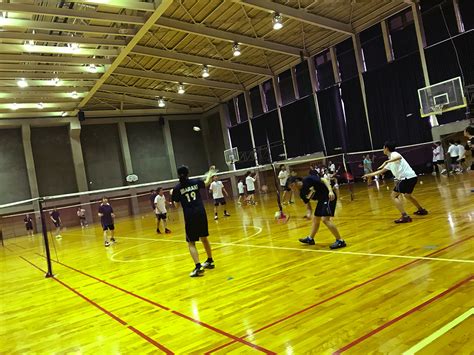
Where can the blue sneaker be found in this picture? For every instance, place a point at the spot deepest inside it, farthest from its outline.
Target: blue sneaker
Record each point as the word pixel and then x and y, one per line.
pixel 338 244
pixel 307 240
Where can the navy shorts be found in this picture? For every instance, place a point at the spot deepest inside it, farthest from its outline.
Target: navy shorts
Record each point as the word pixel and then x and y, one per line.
pixel 454 160
pixel 285 188
pixel 219 201
pixel 161 216
pixel 29 226
pixel 241 194
pixel 196 226
pixel 57 224
pixel 325 208
pixel 406 186
pixel 109 227
pixel 251 192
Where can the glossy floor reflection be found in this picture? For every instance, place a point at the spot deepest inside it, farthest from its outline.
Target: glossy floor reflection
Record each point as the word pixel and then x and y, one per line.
pixel 391 288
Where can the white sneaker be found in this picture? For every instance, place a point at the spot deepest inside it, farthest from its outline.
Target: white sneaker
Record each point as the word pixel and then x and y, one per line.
pixel 59 236
pixel 215 218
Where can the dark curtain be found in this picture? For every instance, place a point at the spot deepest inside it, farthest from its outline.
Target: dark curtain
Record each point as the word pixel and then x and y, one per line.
pixel 325 75
pixel 332 120
pixel 267 134
pixel 404 41
pixel 301 129
pixel 392 100
pixel 356 122
pixel 256 101
pixel 467 13
pixel 433 21
pixel 442 62
pixel 373 47
pixel 240 137
pixel 443 65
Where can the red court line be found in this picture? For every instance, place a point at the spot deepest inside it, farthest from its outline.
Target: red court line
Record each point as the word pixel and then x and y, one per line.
pixel 150 340
pixel 340 294
pixel 203 324
pixel 228 335
pixel 110 314
pixel 400 317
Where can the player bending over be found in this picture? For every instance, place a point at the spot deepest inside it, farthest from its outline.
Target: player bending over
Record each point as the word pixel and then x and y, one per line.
pixel 186 192
pixel 314 187
pixel 406 180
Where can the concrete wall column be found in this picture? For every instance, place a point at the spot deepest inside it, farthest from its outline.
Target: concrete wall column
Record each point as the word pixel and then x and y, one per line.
pixel 224 117
pixel 30 167
pixel 79 168
pixel 360 69
pixel 127 162
pixel 169 148
pixel 314 88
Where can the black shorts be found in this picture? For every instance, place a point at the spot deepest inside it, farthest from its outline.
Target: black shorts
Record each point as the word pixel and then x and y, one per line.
pixel 454 160
pixel 406 186
pixel 440 162
pixel 462 160
pixel 219 201
pixel 161 216
pixel 242 194
pixel 196 226
pixel 82 218
pixel 325 208
pixel 29 227
pixel 251 192
pixel 57 224
pixel 285 188
pixel 110 227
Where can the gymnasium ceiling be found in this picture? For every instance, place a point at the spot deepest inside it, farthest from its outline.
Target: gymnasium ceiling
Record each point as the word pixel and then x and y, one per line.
pixel 123 54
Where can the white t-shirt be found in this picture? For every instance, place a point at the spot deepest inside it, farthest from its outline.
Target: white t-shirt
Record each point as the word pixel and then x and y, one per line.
pixel 283 176
pixel 240 186
pixel 461 151
pixel 216 188
pixel 81 212
pixel 400 168
pixel 332 168
pixel 250 182
pixel 453 151
pixel 438 153
pixel 160 203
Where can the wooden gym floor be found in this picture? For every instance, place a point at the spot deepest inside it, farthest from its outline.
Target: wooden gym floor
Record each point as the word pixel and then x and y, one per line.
pixel 394 289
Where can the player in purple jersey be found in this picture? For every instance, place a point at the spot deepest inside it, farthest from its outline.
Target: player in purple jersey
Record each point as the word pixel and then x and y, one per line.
pixel 106 214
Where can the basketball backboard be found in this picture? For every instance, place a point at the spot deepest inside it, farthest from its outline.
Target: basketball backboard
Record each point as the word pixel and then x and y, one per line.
pixel 441 97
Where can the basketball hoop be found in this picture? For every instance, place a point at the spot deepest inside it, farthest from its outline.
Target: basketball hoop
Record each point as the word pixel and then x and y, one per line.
pixel 231 156
pixel 437 109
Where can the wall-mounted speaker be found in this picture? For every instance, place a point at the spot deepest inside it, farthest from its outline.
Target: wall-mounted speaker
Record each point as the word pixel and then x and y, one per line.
pixel 81 116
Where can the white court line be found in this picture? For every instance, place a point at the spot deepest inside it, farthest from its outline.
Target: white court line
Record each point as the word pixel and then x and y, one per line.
pixel 112 257
pixel 320 251
pixel 446 328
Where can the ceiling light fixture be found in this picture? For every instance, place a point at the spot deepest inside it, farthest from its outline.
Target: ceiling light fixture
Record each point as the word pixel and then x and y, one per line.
pixel 74 95
pixel 73 47
pixel 161 102
pixel 63 114
pixel 14 106
pixel 236 49
pixel 22 83
pixel 56 81
pixel 40 105
pixel 3 18
pixel 91 68
pixel 181 89
pixel 205 71
pixel 277 21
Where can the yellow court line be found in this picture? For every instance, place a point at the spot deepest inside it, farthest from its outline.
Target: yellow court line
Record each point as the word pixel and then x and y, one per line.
pixel 323 251
pixel 425 342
